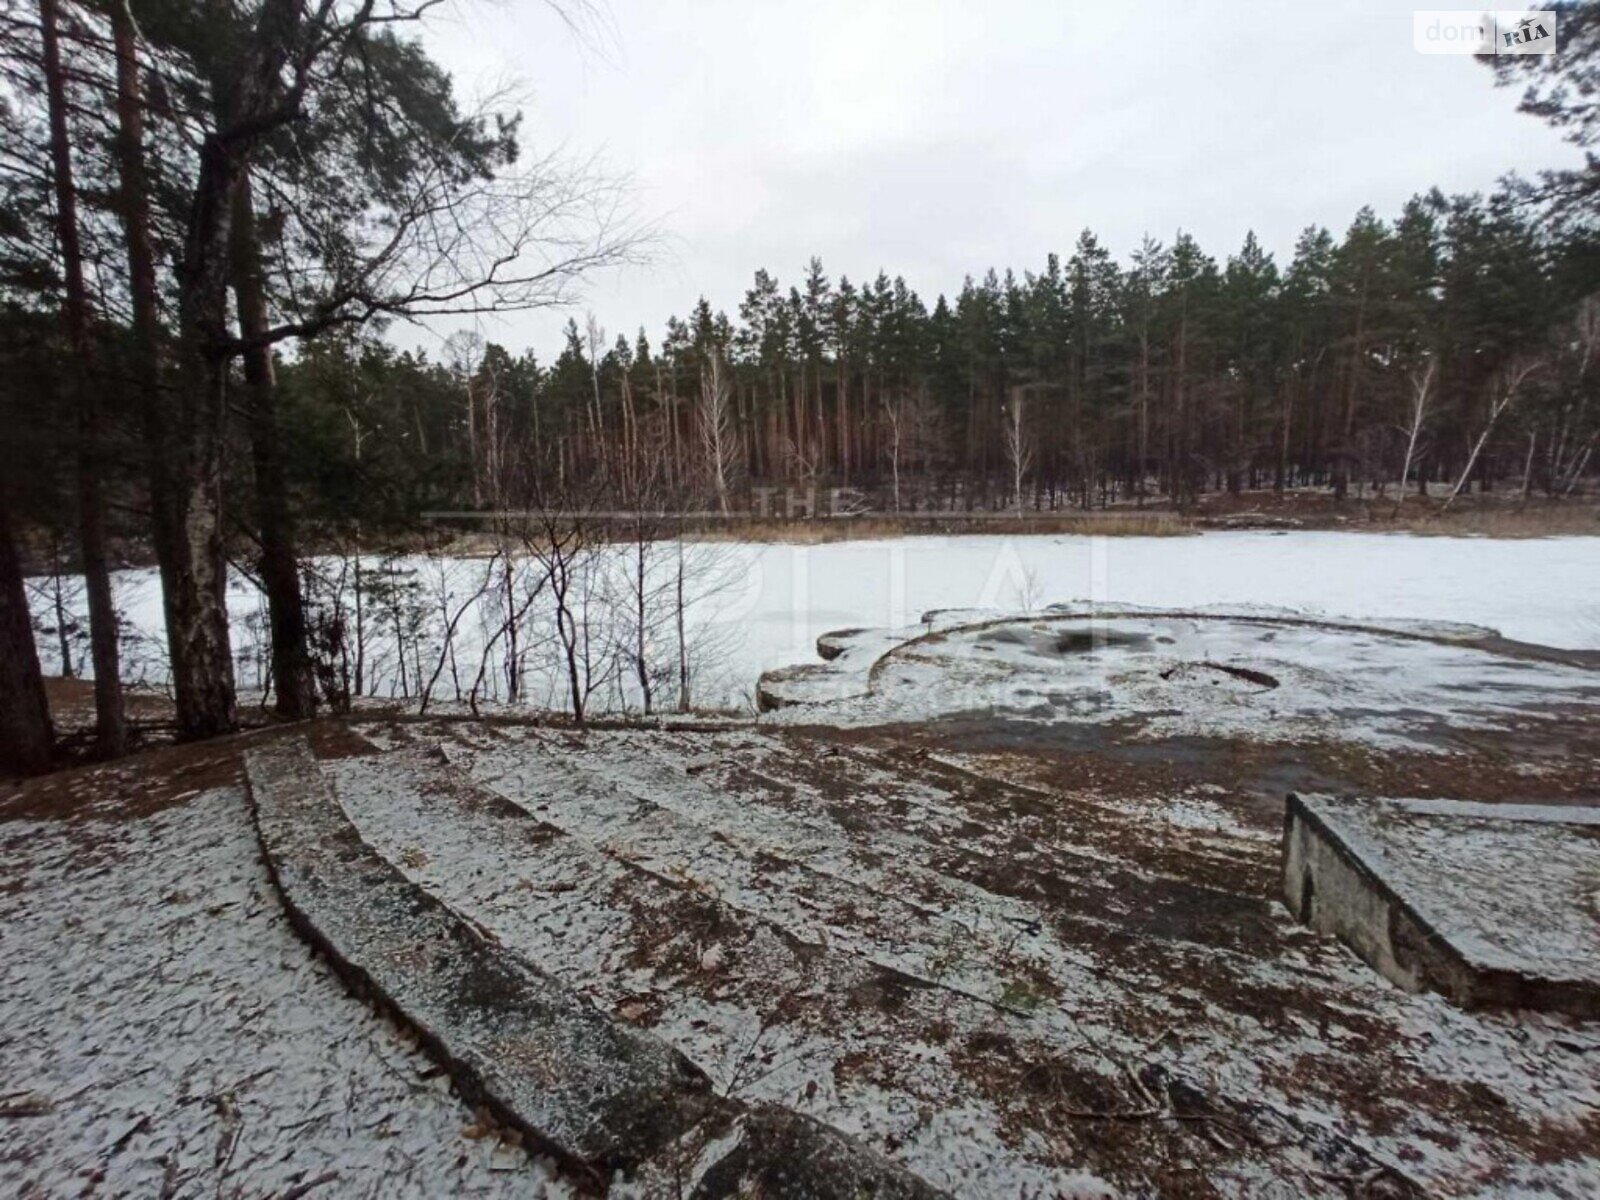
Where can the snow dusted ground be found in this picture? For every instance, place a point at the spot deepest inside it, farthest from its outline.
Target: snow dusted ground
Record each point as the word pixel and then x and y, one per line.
pixel 1019 966
pixel 164 1033
pixel 1012 990
pixel 766 604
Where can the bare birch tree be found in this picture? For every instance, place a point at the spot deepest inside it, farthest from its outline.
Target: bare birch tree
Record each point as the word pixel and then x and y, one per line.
pixel 1019 450
pixel 894 416
pixel 1509 386
pixel 718 438
pixel 1571 450
pixel 1421 388
pixel 464 351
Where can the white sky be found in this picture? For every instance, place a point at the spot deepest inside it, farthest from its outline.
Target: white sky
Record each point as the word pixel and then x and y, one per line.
pixel 935 140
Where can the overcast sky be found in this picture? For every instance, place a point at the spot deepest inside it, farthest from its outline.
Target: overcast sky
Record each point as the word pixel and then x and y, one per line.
pixel 935 140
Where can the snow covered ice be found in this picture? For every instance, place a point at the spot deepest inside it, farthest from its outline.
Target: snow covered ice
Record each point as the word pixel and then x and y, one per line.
pixel 770 603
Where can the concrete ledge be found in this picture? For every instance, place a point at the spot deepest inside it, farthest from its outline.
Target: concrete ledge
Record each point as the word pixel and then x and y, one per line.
pixel 848 657
pixel 804 683
pixel 601 1098
pixel 1491 906
pixel 831 645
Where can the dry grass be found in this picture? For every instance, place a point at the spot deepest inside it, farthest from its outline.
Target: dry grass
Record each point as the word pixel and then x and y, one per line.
pixel 1536 520
pixel 1496 515
pixel 842 529
pixel 1502 514
pixel 1479 516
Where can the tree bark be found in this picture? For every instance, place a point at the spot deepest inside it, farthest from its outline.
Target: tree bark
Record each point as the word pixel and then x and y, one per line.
pixel 293 679
pixel 25 733
pixel 250 103
pixel 679 607
pixel 111 732
pixel 1346 451
pixel 197 612
pixel 146 312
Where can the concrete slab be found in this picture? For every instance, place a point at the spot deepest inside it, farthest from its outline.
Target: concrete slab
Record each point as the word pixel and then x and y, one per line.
pixel 1264 675
pixel 1495 906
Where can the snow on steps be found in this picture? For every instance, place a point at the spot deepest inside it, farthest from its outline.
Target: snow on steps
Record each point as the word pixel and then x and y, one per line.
pixel 779 1003
pixel 601 1098
pixel 926 939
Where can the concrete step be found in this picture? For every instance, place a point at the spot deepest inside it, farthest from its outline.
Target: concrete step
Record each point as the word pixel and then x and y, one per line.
pixel 605 1100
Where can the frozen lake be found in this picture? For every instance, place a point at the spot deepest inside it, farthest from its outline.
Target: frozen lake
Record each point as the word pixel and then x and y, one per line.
pixel 1539 590
pixel 766 604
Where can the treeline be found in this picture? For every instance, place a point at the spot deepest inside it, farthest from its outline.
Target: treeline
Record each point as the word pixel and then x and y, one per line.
pixel 1453 345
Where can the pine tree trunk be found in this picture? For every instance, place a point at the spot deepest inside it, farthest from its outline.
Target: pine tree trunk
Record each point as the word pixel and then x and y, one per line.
pixel 1142 468
pixel 25 733
pixel 197 613
pixel 197 610
pixel 1341 481
pixel 146 340
pixel 1280 472
pixel 280 569
pixel 111 733
pixel 823 441
pixel 842 404
pixel 1182 489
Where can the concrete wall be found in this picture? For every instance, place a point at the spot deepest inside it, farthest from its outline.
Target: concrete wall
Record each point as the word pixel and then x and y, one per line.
pixel 1330 888
pixel 1325 888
